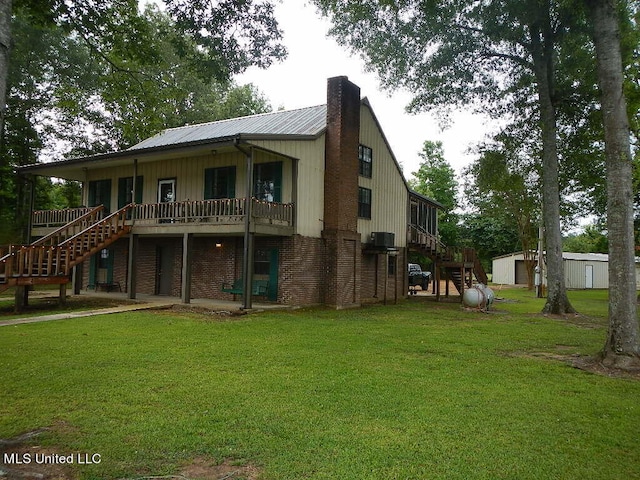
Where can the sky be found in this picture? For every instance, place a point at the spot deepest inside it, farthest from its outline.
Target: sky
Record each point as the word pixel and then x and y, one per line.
pixel 300 81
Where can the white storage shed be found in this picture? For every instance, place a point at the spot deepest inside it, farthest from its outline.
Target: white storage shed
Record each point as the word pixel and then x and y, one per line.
pixel 581 270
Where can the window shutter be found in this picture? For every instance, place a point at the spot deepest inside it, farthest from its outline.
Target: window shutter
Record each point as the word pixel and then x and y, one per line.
pixel 209 176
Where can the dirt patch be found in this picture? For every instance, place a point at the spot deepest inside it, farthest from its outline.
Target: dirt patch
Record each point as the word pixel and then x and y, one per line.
pixel 581 362
pixel 202 468
pixel 19 460
pixel 205 313
pixel 579 320
pixel 594 365
pixel 45 303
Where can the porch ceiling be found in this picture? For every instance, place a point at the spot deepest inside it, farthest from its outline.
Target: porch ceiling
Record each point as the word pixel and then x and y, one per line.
pixel 74 169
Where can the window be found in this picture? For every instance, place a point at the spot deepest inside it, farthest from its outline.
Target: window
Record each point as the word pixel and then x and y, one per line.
pixel 365 156
pixel 261 262
pixel 100 194
pixel 267 181
pixel 364 202
pixel 219 183
pixel 391 267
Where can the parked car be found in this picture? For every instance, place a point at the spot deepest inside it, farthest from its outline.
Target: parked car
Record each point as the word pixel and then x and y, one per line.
pixel 417 277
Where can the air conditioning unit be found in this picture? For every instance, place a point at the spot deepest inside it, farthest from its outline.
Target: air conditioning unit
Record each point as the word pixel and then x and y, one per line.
pixel 383 239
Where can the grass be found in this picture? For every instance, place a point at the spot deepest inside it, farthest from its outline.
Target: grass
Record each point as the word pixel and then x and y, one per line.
pixel 420 391
pixel 44 301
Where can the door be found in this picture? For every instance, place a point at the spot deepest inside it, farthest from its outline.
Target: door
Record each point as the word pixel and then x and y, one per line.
pixel 167 190
pixel 164 269
pixel 588 276
pixel 265 267
pixel 166 196
pixel 101 268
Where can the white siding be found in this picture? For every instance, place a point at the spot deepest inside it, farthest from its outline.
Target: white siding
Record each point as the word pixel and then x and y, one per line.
pixel 389 195
pixel 504 269
pixel 575 272
pixel 309 206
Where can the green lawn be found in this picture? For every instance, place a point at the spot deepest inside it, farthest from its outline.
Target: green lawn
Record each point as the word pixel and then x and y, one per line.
pixel 415 391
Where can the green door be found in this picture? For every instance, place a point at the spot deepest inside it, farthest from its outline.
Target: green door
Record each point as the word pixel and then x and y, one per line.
pixel 273 275
pixel 101 268
pixel 265 267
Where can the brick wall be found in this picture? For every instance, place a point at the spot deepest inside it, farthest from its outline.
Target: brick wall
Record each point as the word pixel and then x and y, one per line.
pixel 374 278
pixel 302 271
pixel 212 266
pixel 304 265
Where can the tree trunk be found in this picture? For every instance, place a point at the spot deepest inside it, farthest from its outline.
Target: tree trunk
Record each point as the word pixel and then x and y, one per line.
pixel 542 53
pixel 622 348
pixel 5 46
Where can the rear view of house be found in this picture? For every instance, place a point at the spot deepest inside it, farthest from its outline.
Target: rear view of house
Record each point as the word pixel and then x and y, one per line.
pixel 300 207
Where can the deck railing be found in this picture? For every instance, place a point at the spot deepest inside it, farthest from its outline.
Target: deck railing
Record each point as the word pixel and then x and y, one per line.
pixel 57 218
pixel 93 215
pixel 222 211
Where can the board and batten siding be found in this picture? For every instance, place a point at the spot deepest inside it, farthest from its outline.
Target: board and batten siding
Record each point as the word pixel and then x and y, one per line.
pixel 309 206
pixel 389 194
pixel 189 175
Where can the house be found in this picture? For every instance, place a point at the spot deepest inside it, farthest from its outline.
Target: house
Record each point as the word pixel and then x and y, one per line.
pixel 299 207
pixel 581 270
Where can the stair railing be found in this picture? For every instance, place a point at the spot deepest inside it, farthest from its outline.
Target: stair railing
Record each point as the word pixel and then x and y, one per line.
pixel 68 230
pixel 85 243
pixel 38 260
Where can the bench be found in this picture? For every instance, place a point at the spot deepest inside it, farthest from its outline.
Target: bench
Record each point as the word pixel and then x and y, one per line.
pixel 258 287
pixel 108 286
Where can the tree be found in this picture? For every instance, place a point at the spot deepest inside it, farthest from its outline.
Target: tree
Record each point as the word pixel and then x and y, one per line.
pixel 490 232
pixel 66 100
pixel 5 48
pixel 503 184
pixel 495 53
pixel 436 179
pixel 622 348
pixel 590 240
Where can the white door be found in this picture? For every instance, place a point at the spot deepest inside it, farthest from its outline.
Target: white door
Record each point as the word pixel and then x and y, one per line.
pixel 166 190
pixel 166 197
pixel 588 278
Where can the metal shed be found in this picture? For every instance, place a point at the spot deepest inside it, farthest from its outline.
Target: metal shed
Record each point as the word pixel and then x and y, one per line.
pixel 581 270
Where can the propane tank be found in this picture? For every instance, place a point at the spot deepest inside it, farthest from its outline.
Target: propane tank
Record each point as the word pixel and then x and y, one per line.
pixel 479 296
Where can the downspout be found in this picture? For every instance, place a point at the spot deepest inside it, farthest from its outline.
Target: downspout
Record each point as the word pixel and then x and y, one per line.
pixel 247 257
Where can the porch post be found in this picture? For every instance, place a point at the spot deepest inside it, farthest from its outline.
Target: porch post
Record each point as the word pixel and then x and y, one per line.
pixel 247 258
pixel 187 243
pixel 131 266
pixel 76 279
pixel 133 240
pixel 133 189
pixel 62 295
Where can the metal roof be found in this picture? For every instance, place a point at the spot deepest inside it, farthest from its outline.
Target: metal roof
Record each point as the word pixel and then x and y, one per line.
pixel 303 122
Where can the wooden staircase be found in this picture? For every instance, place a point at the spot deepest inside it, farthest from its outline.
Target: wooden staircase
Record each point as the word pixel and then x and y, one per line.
pixel 456 265
pixel 50 259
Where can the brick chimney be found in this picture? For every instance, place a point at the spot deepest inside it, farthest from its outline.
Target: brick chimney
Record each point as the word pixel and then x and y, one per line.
pixel 341 155
pixel 342 241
